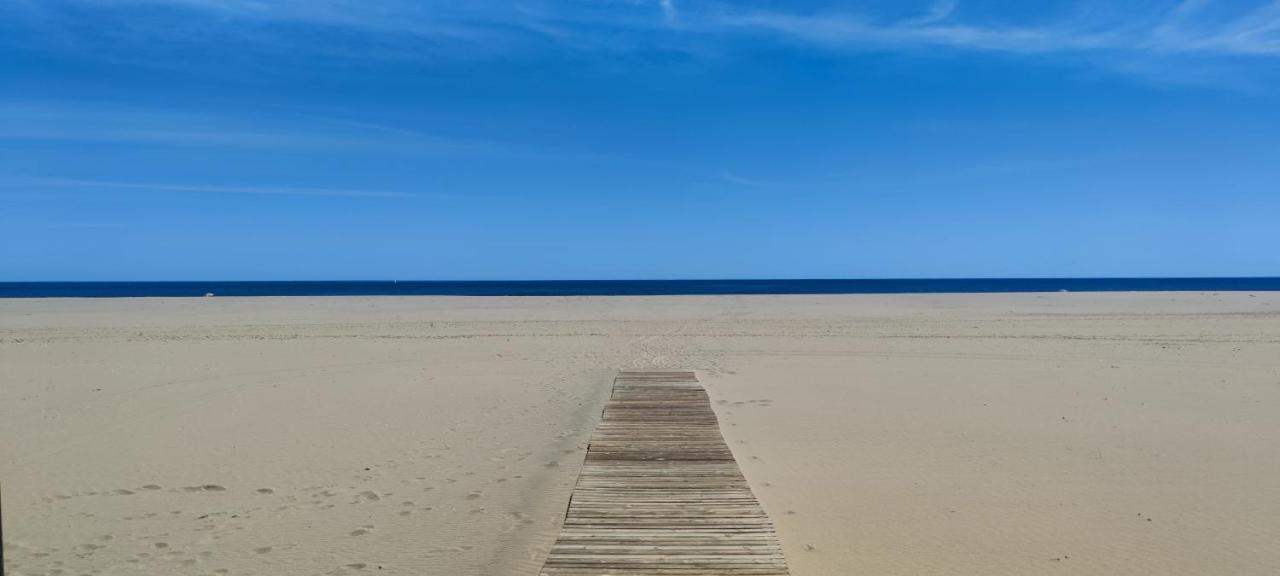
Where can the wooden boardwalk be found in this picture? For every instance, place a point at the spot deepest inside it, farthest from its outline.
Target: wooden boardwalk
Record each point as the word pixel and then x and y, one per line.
pixel 660 492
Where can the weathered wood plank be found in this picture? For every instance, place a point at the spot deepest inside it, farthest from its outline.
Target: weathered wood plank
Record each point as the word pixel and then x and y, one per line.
pixel 660 493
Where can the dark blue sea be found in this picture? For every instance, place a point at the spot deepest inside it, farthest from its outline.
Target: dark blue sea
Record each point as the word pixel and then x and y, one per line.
pixel 626 287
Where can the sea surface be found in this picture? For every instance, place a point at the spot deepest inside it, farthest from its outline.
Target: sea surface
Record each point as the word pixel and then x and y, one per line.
pixel 625 287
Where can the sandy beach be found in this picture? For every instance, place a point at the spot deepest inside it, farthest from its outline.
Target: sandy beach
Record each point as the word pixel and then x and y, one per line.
pixel 1001 434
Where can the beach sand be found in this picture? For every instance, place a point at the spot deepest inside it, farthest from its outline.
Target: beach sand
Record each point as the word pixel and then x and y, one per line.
pixel 905 434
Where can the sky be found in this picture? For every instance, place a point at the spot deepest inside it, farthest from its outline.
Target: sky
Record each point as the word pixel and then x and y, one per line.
pixel 616 139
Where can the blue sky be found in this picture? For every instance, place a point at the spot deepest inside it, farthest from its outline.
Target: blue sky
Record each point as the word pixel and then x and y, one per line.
pixel 342 139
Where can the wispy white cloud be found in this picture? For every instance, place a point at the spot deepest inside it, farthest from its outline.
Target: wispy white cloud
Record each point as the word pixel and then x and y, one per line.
pixel 83 184
pixel 1254 32
pixel 96 122
pixel 845 31
pixel 1191 26
pixel 1138 40
pixel 283 130
pixel 669 11
pixel 197 138
pixel 937 12
pixel 105 123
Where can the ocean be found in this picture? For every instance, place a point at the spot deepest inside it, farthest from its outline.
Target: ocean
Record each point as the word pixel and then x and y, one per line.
pixel 625 287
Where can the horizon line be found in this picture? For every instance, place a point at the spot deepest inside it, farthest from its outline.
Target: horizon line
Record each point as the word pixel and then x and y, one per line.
pixel 725 279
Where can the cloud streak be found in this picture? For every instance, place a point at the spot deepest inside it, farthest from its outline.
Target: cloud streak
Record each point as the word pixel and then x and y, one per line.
pixel 842 31
pixel 1181 30
pixel 1193 42
pixel 105 123
pixel 669 12
pixel 1189 27
pixel 1255 32
pixel 64 183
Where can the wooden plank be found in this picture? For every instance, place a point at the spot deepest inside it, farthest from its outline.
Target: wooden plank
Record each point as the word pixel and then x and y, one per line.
pixel 660 493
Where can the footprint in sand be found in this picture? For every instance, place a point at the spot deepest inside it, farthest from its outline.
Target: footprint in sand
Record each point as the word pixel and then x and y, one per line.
pixel 262 550
pixel 359 532
pixel 265 491
pixel 357 566
pixel 474 495
pixel 370 495
pixel 152 487
pixel 124 492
